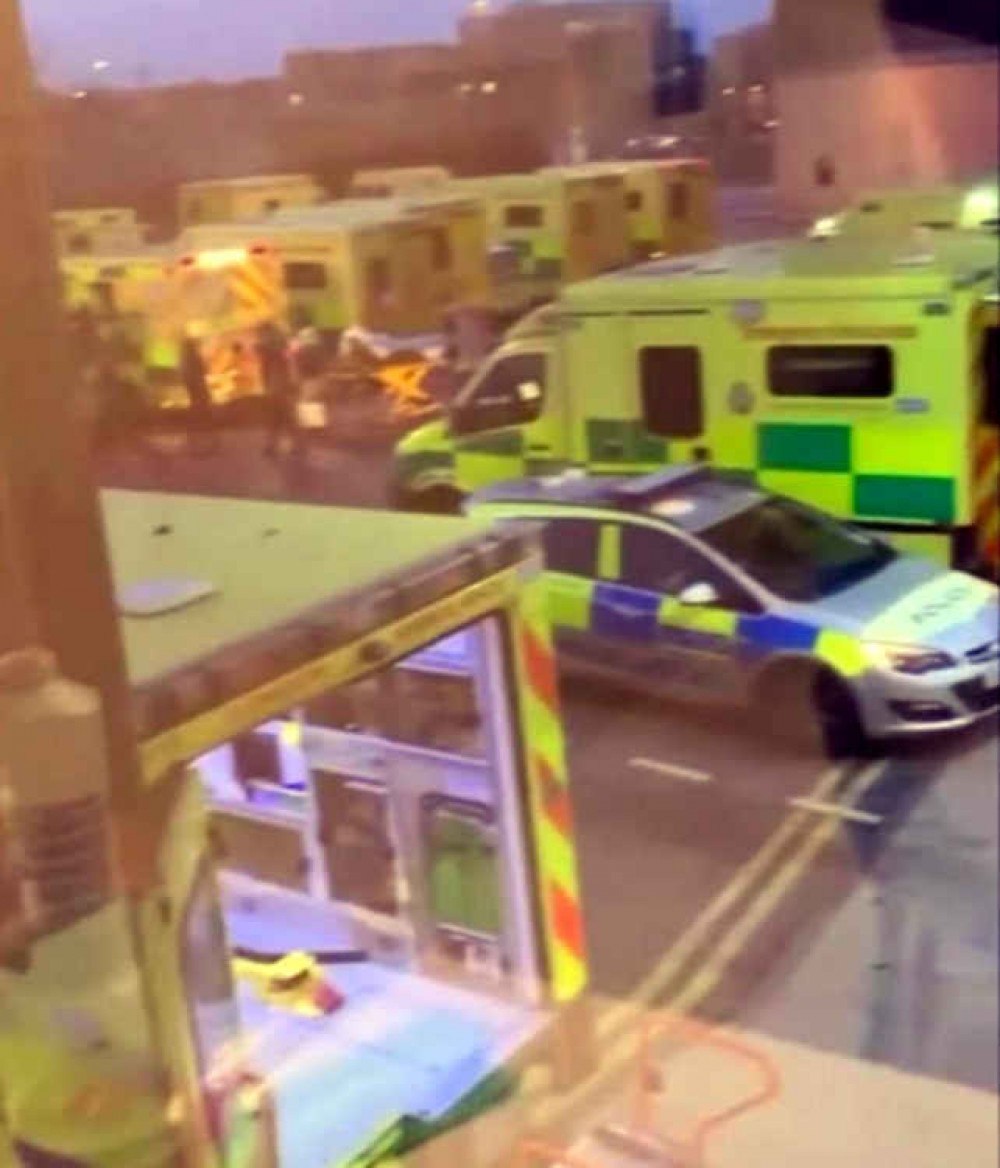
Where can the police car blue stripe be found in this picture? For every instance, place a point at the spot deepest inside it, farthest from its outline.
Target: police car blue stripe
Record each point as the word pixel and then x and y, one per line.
pixel 777 632
pixel 627 613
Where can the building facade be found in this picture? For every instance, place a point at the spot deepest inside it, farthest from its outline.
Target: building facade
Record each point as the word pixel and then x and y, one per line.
pixel 863 104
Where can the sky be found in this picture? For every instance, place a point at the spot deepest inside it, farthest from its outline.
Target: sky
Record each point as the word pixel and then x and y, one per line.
pixel 161 41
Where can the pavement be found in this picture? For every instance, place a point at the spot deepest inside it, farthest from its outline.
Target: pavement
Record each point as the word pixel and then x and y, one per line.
pixel 842 915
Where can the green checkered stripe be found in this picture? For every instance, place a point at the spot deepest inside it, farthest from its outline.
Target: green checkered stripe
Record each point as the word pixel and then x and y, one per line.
pixel 814 462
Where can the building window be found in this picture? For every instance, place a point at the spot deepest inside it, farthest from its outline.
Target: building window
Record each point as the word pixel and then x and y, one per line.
pixel 633 200
pixel 830 371
pixel 271 205
pixel 305 277
pixel 524 215
pixel 671 385
pixel 679 200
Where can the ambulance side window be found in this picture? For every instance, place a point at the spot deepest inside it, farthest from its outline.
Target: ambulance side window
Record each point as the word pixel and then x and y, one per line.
pixel 670 382
pixel 524 215
pixel 831 371
pixel 511 393
pixel 305 277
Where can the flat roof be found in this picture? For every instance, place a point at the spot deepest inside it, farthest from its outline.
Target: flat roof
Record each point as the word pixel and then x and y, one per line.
pixel 911 266
pixel 283 574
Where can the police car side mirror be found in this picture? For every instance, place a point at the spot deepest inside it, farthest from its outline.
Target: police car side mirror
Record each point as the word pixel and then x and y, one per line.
pixel 700 594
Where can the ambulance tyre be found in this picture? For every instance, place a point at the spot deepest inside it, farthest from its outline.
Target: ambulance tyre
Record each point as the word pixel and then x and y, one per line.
pixel 440 500
pixel 809 707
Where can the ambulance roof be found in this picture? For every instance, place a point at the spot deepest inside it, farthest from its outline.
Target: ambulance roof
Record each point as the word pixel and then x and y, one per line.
pixel 290 581
pixel 249 181
pixel 537 185
pixel 931 265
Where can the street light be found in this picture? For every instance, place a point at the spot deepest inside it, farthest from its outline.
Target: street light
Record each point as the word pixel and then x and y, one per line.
pixel 295 99
pixel 101 66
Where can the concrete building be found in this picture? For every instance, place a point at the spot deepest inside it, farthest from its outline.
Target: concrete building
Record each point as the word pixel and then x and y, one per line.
pixel 863 104
pixel 741 103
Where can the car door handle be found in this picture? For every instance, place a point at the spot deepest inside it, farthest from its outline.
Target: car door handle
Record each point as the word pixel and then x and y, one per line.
pixel 539 447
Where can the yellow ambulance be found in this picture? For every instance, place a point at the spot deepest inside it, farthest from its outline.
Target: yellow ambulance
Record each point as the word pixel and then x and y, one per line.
pixel 670 203
pixel 230 200
pixel 860 377
pixel 549 228
pixel 354 914
pixel 943 208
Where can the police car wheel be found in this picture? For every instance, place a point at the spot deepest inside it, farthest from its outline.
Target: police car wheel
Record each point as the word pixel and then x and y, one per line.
pixel 837 714
pixel 809 708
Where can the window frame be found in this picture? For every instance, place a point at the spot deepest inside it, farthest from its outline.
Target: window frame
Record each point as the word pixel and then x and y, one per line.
pixel 887 354
pixel 688 432
pixel 293 285
pixel 524 216
pixel 548 523
pixel 723 578
pixel 500 413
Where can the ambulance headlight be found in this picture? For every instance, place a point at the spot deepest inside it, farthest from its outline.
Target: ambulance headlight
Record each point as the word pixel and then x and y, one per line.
pixel 912 659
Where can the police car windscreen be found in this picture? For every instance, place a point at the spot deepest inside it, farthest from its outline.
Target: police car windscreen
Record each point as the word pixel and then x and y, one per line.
pixel 795 552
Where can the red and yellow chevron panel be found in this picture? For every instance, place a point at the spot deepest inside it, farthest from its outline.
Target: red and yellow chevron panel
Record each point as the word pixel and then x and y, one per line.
pixel 553 815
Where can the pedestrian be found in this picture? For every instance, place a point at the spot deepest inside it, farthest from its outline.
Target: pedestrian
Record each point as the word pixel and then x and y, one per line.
pixel 279 390
pixel 201 437
pixel 308 359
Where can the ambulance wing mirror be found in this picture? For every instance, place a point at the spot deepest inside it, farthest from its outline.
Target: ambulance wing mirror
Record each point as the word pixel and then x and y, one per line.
pixel 700 594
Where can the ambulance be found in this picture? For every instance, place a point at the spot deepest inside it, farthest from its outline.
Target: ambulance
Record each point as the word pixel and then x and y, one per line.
pixel 216 297
pixel 856 376
pixel 355 918
pixel 439 253
pixel 386 266
pixel 944 208
pixel 549 228
pixel 89 229
pixel 230 200
pixel 670 203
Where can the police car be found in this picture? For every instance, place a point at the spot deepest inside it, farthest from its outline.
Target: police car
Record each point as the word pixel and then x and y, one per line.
pixel 706 585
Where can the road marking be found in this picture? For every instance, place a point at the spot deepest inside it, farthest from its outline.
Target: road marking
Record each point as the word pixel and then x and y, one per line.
pixel 657 980
pixel 770 897
pixel 836 809
pixel 620 1046
pixel 671 769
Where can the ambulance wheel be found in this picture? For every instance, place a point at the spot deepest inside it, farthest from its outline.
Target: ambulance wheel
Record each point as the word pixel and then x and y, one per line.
pixel 437 501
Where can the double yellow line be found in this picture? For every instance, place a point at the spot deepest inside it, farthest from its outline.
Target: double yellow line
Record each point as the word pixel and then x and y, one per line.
pixel 756 890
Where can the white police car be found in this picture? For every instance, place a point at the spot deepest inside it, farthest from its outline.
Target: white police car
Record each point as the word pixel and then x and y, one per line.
pixel 706 585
